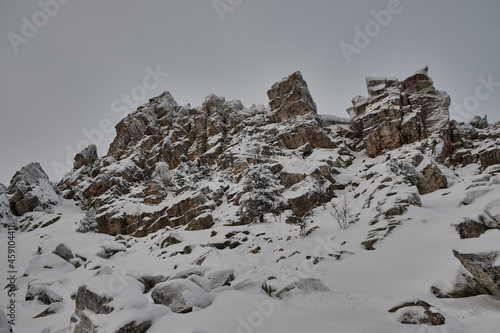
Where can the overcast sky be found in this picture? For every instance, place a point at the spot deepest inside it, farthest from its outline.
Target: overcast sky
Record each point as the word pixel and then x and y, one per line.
pixel 67 69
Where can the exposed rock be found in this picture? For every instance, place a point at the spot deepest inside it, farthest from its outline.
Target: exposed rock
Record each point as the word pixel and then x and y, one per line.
pixel 480 123
pixel 42 293
pixel 398 113
pixel 471 229
pixel 101 308
pixel 418 313
pixel 169 150
pixel 464 286
pixel 204 221
pixel 63 251
pixel 180 295
pixel 307 285
pixel 30 174
pixel 50 310
pixel 431 179
pixel 480 257
pixel 86 157
pixel 290 98
pixel 481 266
pixel 31 190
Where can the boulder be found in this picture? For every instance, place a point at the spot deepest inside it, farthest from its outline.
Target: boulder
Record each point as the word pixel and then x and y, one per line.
pixel 31 190
pixel 42 293
pixel 180 295
pixel 431 179
pixel 307 286
pixel 103 305
pixel 63 251
pixel 418 313
pixel 86 157
pixel 109 249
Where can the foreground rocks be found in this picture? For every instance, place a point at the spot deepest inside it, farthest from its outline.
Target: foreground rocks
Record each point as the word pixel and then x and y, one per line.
pixel 418 313
pixel 101 308
pixel 480 256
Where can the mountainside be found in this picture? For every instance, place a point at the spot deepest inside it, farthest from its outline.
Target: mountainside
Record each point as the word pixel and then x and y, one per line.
pixel 268 219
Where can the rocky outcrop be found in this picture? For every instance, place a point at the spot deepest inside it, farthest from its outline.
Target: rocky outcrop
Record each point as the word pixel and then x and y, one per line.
pixel 480 256
pixel 30 190
pixel 86 157
pixel 290 98
pixel 169 151
pixel 180 295
pixel 397 113
pixel 475 144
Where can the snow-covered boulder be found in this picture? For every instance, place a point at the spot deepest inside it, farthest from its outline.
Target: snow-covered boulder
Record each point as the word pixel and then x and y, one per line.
pixel 180 295
pixel 115 304
pixel 481 257
pixel 418 313
pixel 63 251
pixel 109 249
pixel 220 278
pixel 306 286
pixel 42 293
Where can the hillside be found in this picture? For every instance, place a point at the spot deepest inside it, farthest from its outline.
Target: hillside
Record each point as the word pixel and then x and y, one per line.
pixel 223 218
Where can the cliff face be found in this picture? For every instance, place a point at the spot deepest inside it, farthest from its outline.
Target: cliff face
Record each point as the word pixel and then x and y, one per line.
pixel 175 164
pixel 397 113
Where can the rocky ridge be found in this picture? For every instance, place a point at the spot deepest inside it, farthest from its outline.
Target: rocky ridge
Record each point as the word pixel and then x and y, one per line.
pixel 172 170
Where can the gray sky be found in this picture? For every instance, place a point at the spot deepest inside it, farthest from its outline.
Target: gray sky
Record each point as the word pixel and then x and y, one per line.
pixel 69 74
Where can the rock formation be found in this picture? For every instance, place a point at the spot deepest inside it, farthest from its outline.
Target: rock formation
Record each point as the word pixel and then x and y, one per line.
pixel 397 113
pixel 30 190
pixel 168 150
